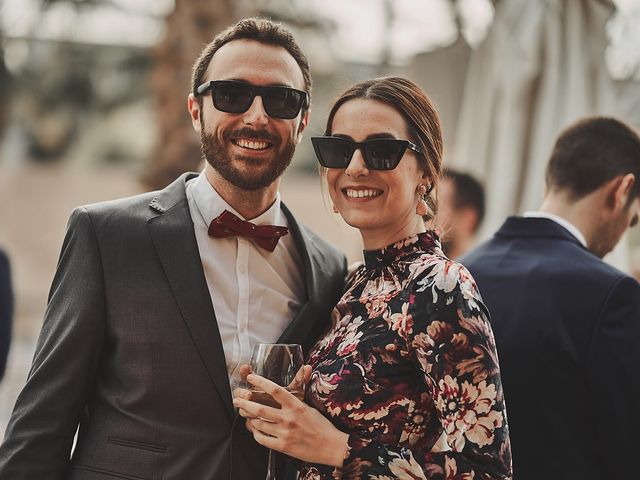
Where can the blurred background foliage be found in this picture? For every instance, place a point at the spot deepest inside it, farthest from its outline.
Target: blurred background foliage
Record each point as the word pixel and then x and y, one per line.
pixel 105 81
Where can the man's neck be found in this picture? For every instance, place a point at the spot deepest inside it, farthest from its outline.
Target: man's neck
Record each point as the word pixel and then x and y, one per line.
pixel 248 203
pixel 580 213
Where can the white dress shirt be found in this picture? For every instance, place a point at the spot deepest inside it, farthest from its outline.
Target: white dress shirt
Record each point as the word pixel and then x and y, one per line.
pixel 255 293
pixel 563 222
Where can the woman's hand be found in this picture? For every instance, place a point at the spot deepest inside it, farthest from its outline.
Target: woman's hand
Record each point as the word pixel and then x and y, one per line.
pixel 296 429
pixel 302 378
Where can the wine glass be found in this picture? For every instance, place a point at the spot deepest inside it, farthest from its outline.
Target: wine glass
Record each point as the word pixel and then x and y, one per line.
pixel 282 364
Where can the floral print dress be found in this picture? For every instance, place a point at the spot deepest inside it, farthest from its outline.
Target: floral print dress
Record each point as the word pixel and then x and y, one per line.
pixel 409 369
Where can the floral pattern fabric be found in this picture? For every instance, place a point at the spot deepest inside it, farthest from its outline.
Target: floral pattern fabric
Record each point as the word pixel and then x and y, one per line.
pixel 409 369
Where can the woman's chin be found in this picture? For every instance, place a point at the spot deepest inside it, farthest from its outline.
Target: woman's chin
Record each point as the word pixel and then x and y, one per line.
pixel 360 221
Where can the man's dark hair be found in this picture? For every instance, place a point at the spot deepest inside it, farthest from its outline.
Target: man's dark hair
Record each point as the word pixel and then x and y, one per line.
pixel 467 193
pixel 591 152
pixel 261 30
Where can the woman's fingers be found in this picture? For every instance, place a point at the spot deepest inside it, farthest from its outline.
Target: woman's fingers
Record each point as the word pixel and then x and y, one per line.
pixel 278 393
pixel 300 380
pixel 244 371
pixel 249 424
pixel 242 393
pixel 249 409
pixel 266 440
pixel 244 414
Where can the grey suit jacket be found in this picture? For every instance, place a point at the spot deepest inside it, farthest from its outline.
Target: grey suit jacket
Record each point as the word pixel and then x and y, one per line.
pixel 130 351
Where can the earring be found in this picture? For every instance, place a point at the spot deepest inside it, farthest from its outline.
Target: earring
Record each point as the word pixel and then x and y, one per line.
pixel 422 208
pixel 334 208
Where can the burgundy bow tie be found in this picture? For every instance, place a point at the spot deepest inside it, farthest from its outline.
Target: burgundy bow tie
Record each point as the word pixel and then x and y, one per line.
pixel 229 225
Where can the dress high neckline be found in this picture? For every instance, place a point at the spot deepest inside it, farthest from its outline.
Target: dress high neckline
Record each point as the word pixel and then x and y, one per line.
pixel 391 253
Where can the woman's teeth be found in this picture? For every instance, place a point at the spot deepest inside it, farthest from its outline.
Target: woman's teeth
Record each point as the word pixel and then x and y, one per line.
pixel 351 193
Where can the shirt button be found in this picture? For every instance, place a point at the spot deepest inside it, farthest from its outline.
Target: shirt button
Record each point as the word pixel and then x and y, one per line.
pixel 241 269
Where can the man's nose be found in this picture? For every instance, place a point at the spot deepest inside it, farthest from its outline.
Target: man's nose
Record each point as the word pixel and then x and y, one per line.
pixel 357 166
pixel 256 115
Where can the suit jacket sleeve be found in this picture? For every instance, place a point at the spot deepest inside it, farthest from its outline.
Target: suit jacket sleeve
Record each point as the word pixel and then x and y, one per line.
pixel 40 433
pixel 6 311
pixel 614 380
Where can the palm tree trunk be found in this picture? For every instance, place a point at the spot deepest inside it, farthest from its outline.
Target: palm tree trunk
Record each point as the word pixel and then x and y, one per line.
pixel 190 27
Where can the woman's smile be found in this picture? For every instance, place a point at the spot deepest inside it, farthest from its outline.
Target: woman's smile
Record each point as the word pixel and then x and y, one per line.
pixel 361 193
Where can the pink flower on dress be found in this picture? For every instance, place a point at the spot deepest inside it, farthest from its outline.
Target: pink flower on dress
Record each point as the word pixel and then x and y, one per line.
pixel 379 288
pixel 351 338
pixel 337 326
pixel 467 412
pixel 406 468
pixel 445 276
pixel 401 322
pixel 451 471
pixel 311 474
pixel 421 263
pixel 376 307
pixel 322 384
pixel 424 346
pixel 405 242
pixel 415 426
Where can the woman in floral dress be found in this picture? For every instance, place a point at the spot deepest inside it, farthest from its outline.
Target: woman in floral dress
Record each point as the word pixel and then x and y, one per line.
pixel 405 383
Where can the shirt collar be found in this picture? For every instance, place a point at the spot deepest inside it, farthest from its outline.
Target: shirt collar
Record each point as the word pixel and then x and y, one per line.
pixel 210 205
pixel 563 222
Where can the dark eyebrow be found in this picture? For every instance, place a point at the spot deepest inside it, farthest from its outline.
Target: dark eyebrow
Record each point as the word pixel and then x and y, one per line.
pixel 240 80
pixel 373 136
pixel 340 135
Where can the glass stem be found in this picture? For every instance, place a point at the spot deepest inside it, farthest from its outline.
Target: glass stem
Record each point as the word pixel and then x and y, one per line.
pixel 271 467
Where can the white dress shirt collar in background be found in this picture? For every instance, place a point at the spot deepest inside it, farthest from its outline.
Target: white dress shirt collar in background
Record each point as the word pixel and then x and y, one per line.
pixel 563 222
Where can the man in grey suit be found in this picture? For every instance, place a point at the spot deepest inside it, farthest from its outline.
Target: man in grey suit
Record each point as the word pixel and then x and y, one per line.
pixel 159 298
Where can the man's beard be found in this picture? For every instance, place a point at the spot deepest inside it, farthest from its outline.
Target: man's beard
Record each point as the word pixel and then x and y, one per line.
pixel 217 155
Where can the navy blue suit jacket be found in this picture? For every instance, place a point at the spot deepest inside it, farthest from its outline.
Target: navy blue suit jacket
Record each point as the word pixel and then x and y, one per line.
pixel 6 311
pixel 567 329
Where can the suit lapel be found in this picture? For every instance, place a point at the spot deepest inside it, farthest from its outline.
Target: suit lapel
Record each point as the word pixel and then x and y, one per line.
pixel 175 242
pixel 307 324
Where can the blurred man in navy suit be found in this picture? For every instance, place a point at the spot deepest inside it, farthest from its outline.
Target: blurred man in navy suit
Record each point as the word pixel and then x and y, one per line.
pixel 6 311
pixel 461 208
pixel 567 325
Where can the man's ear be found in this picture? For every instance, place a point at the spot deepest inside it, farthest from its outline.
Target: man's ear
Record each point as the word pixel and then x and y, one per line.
pixel 622 190
pixel 194 111
pixel 304 121
pixel 468 217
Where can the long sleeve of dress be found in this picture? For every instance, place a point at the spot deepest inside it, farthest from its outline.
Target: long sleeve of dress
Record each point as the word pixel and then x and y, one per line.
pixel 447 334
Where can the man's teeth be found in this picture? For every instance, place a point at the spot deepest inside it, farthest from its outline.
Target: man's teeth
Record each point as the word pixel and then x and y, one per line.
pixel 362 193
pixel 253 145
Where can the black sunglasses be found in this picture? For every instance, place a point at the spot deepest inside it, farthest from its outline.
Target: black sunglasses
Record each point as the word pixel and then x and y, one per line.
pixel 379 153
pixel 232 96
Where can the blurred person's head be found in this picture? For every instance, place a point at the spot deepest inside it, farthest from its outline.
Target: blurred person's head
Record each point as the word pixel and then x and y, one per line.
pixel 460 211
pixel 249 101
pixel 384 187
pixel 592 180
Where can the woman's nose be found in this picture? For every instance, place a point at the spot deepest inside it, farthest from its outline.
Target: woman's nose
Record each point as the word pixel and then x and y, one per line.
pixel 357 166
